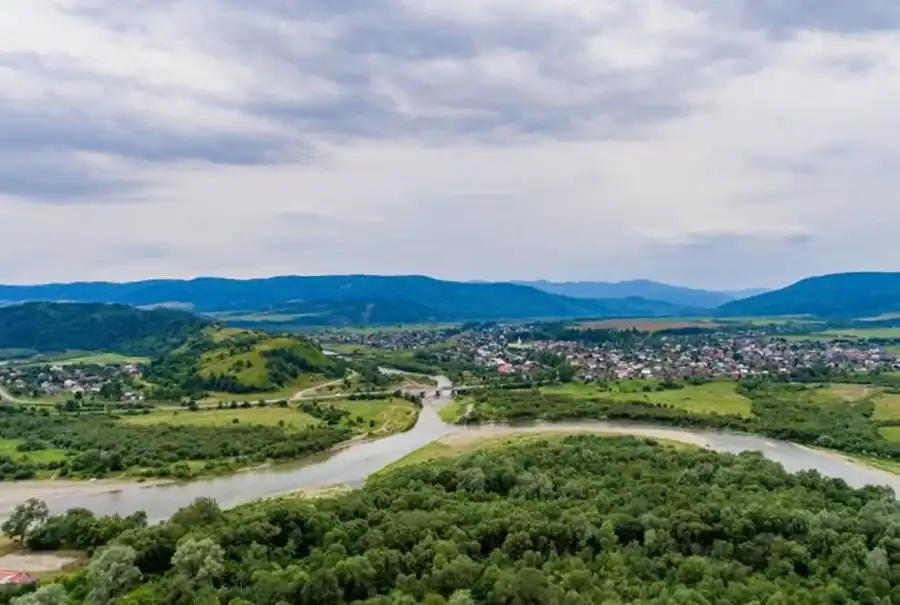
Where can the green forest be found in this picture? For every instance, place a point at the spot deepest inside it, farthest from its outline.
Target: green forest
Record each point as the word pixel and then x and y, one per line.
pixel 564 521
pixel 97 445
pixel 58 327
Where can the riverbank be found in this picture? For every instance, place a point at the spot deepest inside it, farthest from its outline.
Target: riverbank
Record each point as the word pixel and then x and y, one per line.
pixel 13 493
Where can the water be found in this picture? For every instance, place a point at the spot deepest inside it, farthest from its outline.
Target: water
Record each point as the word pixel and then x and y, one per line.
pixel 355 463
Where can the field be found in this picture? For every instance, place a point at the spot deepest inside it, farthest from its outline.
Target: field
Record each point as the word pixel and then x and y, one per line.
pixel 848 334
pixel 454 410
pixel 887 406
pixel 890 433
pixel 8 449
pixel 379 416
pixel 271 416
pixel 649 324
pixel 383 416
pixel 102 359
pixel 718 397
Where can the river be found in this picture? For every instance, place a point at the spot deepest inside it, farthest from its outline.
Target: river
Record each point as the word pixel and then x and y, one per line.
pixel 353 464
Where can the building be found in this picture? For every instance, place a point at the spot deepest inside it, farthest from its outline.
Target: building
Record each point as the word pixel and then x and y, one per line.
pixel 15 578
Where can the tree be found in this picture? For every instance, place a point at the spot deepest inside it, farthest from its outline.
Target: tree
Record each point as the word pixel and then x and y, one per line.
pixel 111 574
pixel 461 597
pixel 203 560
pixel 28 515
pixel 52 594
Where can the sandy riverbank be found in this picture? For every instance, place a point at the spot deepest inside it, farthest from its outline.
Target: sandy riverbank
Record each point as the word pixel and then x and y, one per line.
pixel 13 493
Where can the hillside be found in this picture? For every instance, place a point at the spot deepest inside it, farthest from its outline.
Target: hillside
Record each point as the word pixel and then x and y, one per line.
pixel 641 288
pixel 836 295
pixel 340 312
pixel 455 300
pixel 241 362
pixel 56 327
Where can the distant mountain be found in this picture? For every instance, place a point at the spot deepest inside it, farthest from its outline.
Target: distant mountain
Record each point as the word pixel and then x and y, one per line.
pixel 837 295
pixel 343 312
pixel 448 300
pixel 641 288
pixel 739 294
pixel 54 327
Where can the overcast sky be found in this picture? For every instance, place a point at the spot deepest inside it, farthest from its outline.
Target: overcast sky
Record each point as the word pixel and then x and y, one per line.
pixel 717 143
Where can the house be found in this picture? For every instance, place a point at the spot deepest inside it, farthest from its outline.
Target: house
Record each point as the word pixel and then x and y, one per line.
pixel 15 578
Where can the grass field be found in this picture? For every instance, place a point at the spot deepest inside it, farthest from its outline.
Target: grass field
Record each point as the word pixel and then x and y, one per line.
pixel 102 359
pixel 864 333
pixel 717 397
pixel 890 433
pixel 454 410
pixel 887 406
pixel 389 416
pixel 269 416
pixel 8 448
pixel 648 325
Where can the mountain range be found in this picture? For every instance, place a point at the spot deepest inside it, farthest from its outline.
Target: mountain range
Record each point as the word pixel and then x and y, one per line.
pixel 836 295
pixel 642 288
pixel 309 296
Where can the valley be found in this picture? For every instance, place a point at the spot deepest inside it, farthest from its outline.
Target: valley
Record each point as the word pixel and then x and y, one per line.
pixel 121 436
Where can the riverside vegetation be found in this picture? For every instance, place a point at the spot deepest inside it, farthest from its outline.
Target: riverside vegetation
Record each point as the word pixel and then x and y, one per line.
pixel 811 414
pixel 568 521
pixel 163 444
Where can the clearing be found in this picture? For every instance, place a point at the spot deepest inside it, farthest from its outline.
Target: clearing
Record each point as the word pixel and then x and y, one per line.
pixel 8 448
pixel 716 397
pixel 268 416
pixel 890 433
pixel 887 406
pixel 382 416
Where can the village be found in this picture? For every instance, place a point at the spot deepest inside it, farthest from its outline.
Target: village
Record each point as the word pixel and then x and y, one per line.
pixel 64 381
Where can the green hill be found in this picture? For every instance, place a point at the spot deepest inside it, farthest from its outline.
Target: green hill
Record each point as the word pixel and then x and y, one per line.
pixel 230 360
pixel 842 295
pixel 55 327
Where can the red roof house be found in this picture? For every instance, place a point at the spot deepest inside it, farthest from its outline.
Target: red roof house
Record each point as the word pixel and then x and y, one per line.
pixel 18 578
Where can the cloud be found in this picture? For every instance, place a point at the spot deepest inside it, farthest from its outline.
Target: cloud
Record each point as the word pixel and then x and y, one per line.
pixel 466 138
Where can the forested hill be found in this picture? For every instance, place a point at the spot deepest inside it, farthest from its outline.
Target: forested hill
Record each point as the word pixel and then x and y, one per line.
pixel 54 327
pixel 453 300
pixel 837 295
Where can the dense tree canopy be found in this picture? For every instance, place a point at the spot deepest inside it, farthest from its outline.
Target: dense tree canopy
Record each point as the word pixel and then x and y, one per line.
pixel 567 521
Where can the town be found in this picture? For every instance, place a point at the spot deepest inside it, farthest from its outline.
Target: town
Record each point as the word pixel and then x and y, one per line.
pixel 524 351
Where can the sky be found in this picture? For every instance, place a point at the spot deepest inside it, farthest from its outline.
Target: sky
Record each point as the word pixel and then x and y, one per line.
pixel 712 143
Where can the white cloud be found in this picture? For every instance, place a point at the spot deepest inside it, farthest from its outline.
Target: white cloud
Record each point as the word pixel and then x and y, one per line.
pixel 491 139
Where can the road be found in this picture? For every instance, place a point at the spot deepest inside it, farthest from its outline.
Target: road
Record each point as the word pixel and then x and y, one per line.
pixel 6 397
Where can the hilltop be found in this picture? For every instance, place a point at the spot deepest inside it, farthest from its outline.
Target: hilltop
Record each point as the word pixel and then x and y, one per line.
pixel 231 360
pixel 836 295
pixel 447 299
pixel 56 327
